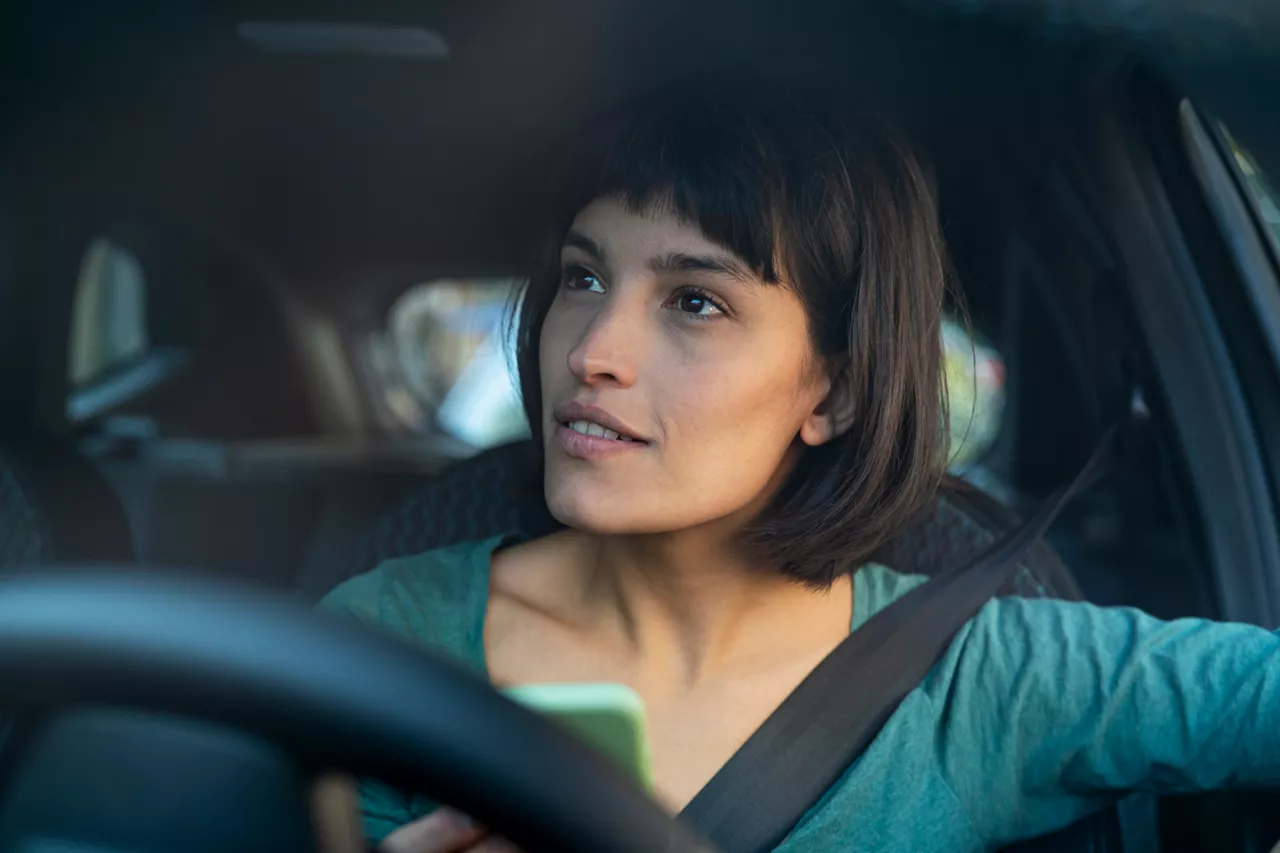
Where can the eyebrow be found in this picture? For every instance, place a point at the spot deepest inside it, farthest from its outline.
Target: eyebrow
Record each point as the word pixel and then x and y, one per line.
pixel 583 243
pixel 676 262
pixel 725 265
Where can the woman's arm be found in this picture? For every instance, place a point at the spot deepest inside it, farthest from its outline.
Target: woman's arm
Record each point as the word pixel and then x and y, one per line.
pixel 1048 710
pixel 339 827
pixel 444 831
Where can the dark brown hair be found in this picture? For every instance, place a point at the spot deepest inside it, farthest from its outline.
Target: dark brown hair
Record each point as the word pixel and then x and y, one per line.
pixel 834 206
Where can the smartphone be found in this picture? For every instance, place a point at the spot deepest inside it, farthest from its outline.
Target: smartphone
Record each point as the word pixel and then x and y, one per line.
pixel 608 717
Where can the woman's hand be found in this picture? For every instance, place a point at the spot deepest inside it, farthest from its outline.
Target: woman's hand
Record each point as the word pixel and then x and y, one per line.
pixel 444 831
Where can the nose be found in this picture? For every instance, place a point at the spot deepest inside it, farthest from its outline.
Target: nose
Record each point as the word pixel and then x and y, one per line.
pixel 608 352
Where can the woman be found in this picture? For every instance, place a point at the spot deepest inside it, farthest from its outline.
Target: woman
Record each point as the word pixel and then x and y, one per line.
pixel 732 365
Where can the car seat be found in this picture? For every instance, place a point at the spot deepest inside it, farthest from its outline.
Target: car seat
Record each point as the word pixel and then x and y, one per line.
pixel 497 492
pixel 55 508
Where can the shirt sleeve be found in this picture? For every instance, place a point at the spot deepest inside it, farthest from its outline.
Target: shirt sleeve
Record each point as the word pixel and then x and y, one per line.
pixel 383 808
pixel 358 597
pixel 1050 710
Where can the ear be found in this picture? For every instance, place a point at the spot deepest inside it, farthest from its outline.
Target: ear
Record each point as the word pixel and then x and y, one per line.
pixel 834 414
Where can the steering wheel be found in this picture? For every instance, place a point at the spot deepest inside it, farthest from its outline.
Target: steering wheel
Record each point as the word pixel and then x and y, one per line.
pixel 328 693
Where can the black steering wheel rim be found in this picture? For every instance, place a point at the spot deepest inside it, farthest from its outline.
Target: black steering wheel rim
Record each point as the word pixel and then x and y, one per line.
pixel 333 694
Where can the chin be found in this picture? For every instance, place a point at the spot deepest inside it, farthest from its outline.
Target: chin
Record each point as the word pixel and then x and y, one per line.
pixel 599 511
pixel 586 516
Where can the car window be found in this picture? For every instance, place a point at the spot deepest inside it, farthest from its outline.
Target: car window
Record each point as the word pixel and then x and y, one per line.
pixel 1258 186
pixel 442 363
pixel 975 377
pixel 108 313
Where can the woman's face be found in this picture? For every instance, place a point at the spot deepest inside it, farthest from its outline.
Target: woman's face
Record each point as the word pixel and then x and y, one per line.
pixel 675 383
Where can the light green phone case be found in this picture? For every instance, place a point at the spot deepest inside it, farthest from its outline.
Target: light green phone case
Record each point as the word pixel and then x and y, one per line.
pixel 609 717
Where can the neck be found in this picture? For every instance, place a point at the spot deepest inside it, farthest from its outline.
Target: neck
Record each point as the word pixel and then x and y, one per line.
pixel 693 605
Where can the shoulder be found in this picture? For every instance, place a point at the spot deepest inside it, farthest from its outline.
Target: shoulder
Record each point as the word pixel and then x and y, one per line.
pixel 876 586
pixel 385 595
pixel 1010 627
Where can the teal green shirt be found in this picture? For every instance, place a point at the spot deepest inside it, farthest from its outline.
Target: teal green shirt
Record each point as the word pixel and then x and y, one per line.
pixel 1040 712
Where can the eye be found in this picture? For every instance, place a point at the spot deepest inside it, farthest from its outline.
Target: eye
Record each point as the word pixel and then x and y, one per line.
pixel 577 277
pixel 696 303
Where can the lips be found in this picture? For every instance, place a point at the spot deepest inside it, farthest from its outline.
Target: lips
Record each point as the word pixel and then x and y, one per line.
pixel 590 428
pixel 593 421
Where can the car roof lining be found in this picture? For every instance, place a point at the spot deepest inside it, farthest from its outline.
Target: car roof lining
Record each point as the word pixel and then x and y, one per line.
pixel 343 165
pixel 350 162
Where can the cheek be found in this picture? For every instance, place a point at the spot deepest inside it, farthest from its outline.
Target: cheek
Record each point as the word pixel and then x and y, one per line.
pixel 734 424
pixel 726 428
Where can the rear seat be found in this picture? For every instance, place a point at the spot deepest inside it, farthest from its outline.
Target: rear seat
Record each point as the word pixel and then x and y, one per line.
pixel 287 515
pixel 55 508
pixel 198 447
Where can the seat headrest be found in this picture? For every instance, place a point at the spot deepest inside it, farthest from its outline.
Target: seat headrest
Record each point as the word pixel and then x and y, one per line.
pixel 494 492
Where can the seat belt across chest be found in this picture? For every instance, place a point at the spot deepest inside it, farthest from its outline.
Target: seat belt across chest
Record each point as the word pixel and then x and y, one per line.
pixel 829 720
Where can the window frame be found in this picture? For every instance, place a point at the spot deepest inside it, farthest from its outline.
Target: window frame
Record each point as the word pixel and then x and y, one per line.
pixel 1237 281
pixel 1239 218
pixel 376 343
pixel 1227 147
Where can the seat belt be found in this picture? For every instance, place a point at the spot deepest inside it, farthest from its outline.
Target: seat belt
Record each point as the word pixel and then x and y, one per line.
pixel 829 720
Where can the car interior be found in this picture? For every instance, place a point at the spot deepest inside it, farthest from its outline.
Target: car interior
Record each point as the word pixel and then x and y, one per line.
pixel 224 232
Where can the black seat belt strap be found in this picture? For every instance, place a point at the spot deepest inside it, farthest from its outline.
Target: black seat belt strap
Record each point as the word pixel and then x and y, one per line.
pixel 804 747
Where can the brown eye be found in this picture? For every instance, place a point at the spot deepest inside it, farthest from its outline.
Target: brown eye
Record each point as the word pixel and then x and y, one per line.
pixel 578 277
pixel 696 303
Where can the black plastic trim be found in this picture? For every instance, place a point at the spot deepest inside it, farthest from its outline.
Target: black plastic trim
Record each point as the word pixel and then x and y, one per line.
pixel 1205 399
